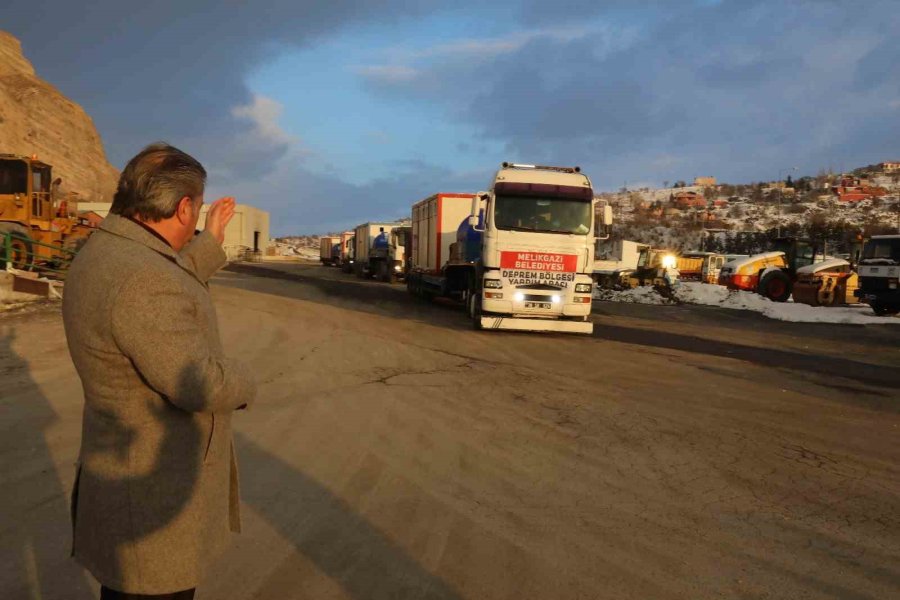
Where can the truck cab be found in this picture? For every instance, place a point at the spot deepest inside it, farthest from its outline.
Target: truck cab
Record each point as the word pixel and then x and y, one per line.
pixel 879 274
pixel 348 254
pixel 538 228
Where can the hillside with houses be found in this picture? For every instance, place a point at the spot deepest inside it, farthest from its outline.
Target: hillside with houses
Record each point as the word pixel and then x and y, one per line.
pixel 744 218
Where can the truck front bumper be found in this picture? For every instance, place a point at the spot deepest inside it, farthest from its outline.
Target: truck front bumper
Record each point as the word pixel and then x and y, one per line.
pixel 569 309
pixel 889 296
pixel 523 324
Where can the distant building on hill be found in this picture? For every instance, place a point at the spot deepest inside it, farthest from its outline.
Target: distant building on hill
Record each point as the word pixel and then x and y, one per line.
pixel 684 200
pixel 705 181
pixel 890 167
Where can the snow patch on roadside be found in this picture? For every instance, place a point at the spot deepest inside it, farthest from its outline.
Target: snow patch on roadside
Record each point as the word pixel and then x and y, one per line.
pixel 639 295
pixel 690 292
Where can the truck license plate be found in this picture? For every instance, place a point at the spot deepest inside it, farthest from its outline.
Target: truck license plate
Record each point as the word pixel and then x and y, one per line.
pixel 537 305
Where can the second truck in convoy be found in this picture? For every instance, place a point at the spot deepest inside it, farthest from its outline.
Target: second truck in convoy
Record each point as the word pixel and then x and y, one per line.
pixel 380 250
pixel 520 255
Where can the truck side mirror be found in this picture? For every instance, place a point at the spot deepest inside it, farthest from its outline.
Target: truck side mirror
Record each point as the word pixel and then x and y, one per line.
pixel 478 206
pixel 603 220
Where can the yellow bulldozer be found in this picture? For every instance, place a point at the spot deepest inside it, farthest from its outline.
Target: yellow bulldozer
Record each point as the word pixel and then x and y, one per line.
pixel 655 267
pixel 38 227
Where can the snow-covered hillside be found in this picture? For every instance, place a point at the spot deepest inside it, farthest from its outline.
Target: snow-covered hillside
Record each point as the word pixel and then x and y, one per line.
pixel 745 218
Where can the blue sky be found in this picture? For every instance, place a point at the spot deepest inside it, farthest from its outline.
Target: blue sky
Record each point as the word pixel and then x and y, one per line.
pixel 333 113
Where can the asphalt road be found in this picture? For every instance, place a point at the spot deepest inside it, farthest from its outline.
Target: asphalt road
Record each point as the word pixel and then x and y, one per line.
pixel 679 452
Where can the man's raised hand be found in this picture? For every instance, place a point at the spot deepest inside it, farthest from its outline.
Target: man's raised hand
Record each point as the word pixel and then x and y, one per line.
pixel 219 215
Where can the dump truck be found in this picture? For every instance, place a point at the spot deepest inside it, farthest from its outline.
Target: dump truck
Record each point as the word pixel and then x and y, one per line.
pixel 519 256
pixel 327 246
pixel 879 274
pixel 377 253
pixel 615 260
pixel 37 219
pixel 700 266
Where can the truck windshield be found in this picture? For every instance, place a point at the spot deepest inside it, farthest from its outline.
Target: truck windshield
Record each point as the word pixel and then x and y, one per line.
pixel 543 214
pixel 13 177
pixel 882 250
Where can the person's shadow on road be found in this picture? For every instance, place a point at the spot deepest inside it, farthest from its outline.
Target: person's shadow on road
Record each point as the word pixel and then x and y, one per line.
pixel 340 543
pixel 35 527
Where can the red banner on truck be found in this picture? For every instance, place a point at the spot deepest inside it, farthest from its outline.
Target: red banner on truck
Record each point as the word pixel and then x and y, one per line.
pixel 539 261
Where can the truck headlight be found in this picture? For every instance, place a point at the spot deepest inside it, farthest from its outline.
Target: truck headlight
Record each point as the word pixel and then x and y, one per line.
pixel 492 284
pixel 582 288
pixel 669 261
pixel 555 298
pixel 397 268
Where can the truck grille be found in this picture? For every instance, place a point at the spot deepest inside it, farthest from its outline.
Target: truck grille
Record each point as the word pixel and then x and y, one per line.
pixel 875 284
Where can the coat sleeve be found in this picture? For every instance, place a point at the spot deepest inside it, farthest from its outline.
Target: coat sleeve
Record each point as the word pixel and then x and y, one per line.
pixel 204 255
pixel 158 327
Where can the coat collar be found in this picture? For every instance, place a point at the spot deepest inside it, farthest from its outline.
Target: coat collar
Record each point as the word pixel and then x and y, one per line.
pixel 128 229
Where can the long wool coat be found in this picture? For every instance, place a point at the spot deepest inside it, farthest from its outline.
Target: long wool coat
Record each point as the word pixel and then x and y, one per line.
pixel 156 490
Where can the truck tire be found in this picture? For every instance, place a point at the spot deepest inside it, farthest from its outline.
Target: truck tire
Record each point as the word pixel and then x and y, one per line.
pixel 475 310
pixel 22 246
pixel 383 273
pixel 776 286
pixel 885 310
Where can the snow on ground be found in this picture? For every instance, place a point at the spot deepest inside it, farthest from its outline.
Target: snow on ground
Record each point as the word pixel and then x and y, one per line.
pixel 690 292
pixel 308 253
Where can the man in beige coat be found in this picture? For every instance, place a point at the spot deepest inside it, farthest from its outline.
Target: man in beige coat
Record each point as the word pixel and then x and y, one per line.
pixel 156 491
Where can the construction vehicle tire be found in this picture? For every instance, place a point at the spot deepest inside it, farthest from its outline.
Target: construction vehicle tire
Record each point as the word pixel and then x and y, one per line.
pixel 776 286
pixel 22 246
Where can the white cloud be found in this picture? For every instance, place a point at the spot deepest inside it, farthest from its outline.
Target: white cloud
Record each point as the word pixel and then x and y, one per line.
pixel 399 62
pixel 263 114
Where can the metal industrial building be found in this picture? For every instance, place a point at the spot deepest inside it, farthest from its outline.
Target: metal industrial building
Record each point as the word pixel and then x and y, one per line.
pixel 248 231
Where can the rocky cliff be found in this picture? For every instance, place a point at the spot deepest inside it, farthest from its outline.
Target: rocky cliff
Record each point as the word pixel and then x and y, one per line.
pixel 35 118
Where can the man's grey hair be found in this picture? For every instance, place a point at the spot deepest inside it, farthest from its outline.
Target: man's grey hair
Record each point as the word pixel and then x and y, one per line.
pixel 155 180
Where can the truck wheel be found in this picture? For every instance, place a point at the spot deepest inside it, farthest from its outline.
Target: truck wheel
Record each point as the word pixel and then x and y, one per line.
pixel 383 273
pixel 475 311
pixel 22 248
pixel 885 310
pixel 776 286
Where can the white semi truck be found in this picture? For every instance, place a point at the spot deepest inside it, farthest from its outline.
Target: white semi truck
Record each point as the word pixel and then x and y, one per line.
pixel 520 255
pixel 378 253
pixel 879 274
pixel 328 254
